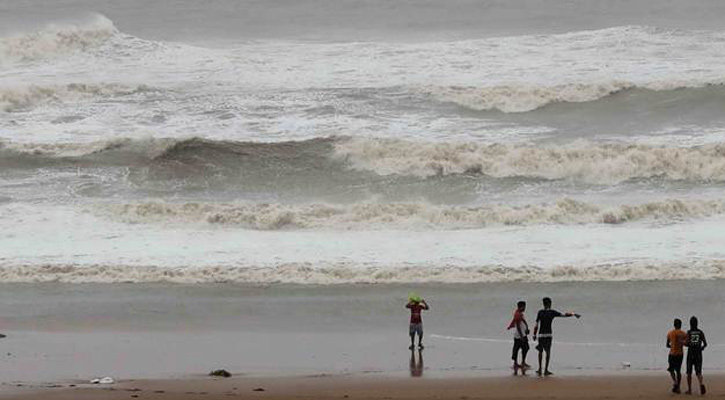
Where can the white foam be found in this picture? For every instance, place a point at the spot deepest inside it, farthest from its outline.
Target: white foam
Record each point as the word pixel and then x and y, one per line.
pixel 523 97
pixel 144 148
pixel 21 98
pixel 271 89
pixel 56 39
pixel 320 274
pixel 375 216
pixel 581 161
pixel 44 242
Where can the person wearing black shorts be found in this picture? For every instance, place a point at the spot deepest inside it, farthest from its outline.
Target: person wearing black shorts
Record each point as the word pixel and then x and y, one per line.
pixel 695 343
pixel 543 330
pixel 676 339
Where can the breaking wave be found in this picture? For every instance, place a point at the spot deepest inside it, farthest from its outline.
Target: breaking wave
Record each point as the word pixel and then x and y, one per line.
pixel 519 98
pixel 582 161
pixel 56 39
pixel 27 97
pixel 410 215
pixel 309 274
pixel 185 155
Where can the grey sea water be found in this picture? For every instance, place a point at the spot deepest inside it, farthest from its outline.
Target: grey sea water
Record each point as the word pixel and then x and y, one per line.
pixel 374 141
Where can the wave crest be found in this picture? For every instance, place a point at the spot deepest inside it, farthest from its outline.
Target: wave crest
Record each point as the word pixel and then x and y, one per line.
pixel 308 274
pixel 517 98
pixel 581 161
pixel 371 216
pixel 56 39
pixel 24 98
pixel 520 98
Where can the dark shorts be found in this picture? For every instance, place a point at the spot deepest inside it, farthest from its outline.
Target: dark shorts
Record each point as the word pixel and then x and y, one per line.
pixel 694 361
pixel 544 344
pixel 674 362
pixel 416 328
pixel 520 344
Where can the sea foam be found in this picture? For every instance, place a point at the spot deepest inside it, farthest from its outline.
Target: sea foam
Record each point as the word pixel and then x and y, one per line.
pixel 56 39
pixel 342 273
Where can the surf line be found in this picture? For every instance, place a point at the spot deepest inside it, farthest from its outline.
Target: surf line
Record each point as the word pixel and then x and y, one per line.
pixel 588 344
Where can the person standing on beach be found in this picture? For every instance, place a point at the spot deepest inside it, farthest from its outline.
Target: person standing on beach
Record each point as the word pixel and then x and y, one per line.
pixel 695 343
pixel 416 306
pixel 676 339
pixel 521 338
pixel 544 332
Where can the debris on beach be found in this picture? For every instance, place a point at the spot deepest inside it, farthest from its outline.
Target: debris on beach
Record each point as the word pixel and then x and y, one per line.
pixel 220 372
pixel 103 381
pixel 259 389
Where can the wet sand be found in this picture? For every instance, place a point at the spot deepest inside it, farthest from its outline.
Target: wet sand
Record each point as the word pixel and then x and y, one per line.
pixel 61 333
pixel 651 386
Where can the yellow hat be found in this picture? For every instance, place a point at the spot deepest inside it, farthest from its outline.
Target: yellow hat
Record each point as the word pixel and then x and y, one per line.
pixel 412 296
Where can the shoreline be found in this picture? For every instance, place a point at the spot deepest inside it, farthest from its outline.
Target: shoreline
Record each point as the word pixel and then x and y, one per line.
pixel 649 385
pixel 63 332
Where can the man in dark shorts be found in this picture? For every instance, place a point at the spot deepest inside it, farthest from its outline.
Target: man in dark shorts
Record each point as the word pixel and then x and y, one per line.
pixel 543 329
pixel 695 343
pixel 416 306
pixel 675 341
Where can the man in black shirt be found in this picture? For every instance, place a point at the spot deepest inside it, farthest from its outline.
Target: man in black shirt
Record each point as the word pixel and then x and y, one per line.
pixel 695 343
pixel 545 334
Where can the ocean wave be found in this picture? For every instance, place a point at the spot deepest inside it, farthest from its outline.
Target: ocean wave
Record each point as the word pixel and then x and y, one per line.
pixel 367 216
pixel 56 39
pixel 350 273
pixel 523 97
pixel 118 151
pixel 21 98
pixel 581 161
pixel 185 155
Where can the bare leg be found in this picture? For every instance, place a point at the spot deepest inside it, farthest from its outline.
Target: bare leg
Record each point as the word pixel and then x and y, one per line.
pixel 679 380
pixel 702 384
pixel 548 358
pixel 689 384
pixel 412 341
pixel 540 359
pixel 420 342
pixel 676 379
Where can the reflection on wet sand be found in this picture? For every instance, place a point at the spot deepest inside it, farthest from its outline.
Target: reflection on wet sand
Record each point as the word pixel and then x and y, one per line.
pixel 416 364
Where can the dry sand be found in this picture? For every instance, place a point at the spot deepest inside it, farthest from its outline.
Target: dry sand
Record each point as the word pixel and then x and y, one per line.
pixel 376 387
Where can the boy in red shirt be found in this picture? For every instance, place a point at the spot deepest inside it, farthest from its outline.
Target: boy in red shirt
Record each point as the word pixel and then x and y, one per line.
pixel 521 339
pixel 416 306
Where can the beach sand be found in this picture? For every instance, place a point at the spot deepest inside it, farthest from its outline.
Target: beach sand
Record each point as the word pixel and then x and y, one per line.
pixel 327 342
pixel 377 387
